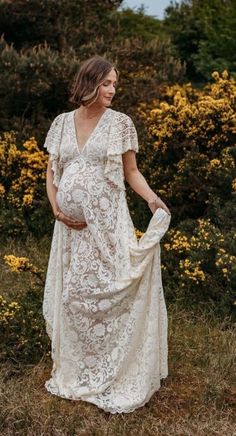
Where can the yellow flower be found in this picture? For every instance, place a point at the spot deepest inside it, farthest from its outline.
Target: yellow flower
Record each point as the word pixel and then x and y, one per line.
pixel 18 264
pixel 179 242
pixel 138 233
pixel 14 304
pixel 191 270
pixel 27 200
pixel 215 75
pixel 215 163
pixel 225 75
pixel 2 190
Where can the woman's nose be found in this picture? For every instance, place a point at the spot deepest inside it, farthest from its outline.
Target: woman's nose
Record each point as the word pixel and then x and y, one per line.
pixel 112 89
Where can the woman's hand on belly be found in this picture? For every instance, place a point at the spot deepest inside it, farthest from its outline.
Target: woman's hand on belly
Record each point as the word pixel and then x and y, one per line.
pixel 70 222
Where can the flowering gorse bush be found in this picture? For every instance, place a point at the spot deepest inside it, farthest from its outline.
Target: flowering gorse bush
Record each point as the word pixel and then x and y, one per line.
pixel 192 146
pixel 200 264
pixel 22 186
pixel 8 310
pixel 18 264
pixel 189 159
pixel 22 172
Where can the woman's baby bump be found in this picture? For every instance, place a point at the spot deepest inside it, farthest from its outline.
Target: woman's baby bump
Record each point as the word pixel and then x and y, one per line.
pixel 79 183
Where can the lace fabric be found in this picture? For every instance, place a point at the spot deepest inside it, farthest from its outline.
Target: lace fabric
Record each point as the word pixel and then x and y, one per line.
pixel 103 304
pixel 52 143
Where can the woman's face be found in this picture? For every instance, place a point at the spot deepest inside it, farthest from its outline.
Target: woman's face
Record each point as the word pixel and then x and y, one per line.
pixel 107 89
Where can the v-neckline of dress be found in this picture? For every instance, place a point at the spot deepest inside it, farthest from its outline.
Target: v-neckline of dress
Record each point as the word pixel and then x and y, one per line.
pixel 91 134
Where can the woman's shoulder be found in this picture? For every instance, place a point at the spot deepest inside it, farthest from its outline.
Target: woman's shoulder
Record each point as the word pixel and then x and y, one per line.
pixel 119 114
pixel 124 132
pixel 122 117
pixel 55 130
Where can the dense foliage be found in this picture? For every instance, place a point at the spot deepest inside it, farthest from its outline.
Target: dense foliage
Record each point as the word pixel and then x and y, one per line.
pixel 61 23
pixel 204 33
pixel 38 80
pixel 44 42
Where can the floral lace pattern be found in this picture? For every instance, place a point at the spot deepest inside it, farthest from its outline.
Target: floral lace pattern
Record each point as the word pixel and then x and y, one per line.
pixel 103 304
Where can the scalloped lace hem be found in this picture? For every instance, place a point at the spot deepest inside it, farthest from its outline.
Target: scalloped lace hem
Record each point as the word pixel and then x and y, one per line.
pixel 108 409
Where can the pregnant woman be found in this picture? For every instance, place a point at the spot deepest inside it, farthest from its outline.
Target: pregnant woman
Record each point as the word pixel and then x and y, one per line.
pixel 103 304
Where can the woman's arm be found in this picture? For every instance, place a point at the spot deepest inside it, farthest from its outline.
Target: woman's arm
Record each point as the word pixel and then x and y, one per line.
pixel 51 193
pixel 139 184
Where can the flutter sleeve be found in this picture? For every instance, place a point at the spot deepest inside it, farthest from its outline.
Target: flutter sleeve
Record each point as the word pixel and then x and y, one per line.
pixel 52 144
pixel 122 137
pixel 129 135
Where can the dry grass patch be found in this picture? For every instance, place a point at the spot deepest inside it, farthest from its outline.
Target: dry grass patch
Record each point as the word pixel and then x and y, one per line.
pixel 197 398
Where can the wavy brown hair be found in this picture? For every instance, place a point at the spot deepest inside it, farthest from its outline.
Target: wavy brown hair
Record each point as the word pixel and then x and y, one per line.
pixel 90 76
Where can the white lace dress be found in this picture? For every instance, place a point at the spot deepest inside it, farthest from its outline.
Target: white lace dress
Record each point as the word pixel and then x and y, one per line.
pixel 103 301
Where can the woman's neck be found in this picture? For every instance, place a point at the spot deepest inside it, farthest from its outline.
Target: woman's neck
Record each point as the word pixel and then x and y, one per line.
pixel 91 111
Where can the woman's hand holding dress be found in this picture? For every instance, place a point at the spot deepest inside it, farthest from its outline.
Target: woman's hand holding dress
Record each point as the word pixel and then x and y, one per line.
pixel 156 203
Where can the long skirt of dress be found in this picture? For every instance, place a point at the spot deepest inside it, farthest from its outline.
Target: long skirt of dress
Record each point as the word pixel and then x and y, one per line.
pixel 107 321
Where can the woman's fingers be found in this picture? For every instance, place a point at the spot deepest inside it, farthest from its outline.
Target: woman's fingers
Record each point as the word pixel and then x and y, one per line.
pixel 158 203
pixel 68 219
pixel 72 222
pixel 163 206
pixel 80 225
pixel 77 226
pixel 166 209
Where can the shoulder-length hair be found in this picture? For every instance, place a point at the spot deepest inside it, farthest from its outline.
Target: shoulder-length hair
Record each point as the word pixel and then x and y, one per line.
pixel 90 76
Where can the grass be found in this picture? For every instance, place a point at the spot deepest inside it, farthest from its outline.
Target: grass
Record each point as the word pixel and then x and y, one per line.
pixel 197 398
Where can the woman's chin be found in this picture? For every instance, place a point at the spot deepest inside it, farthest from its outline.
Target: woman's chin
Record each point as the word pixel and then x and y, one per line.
pixel 107 103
